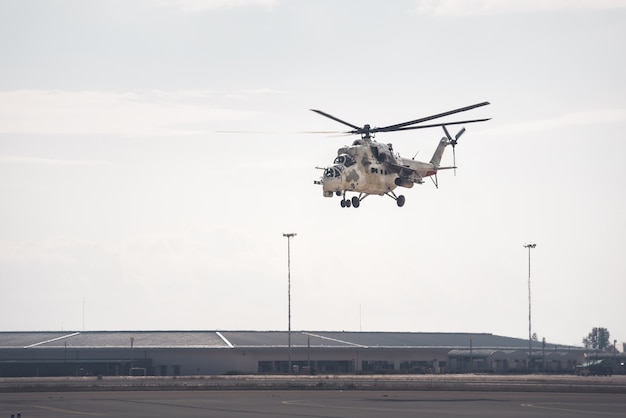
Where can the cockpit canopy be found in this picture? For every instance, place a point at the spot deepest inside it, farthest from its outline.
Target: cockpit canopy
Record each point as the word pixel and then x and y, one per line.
pixel 334 171
pixel 344 159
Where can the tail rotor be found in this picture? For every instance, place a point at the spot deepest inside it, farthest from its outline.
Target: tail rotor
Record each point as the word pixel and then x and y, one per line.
pixel 453 142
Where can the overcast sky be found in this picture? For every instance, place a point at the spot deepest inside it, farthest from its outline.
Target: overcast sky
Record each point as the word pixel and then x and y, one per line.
pixel 125 208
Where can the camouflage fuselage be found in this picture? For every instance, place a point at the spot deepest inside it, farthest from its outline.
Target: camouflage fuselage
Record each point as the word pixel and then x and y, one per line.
pixel 370 167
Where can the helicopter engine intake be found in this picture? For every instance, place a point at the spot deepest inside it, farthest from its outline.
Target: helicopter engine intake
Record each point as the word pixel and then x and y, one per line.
pixel 382 152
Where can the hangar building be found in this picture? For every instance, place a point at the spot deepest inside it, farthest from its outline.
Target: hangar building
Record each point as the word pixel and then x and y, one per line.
pixel 171 353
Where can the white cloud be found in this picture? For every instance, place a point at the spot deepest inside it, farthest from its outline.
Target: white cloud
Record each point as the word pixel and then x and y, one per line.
pixel 248 94
pixel 264 90
pixel 134 113
pixel 604 116
pixel 494 7
pixel 208 5
pixel 56 250
pixel 7 159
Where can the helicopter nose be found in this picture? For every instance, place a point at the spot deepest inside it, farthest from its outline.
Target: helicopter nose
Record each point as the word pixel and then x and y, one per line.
pixel 332 178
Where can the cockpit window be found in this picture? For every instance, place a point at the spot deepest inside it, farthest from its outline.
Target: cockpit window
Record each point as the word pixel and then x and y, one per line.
pixel 334 171
pixel 344 159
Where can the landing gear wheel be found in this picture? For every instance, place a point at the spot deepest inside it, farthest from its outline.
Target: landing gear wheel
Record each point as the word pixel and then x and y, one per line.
pixel 343 203
pixel 400 201
pixel 355 201
pixel 348 204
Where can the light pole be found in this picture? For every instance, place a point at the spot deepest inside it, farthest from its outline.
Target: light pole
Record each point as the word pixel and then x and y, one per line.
pixel 529 246
pixel 289 236
pixel 132 343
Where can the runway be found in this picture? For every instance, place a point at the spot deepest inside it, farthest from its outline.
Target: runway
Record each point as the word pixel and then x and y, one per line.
pixel 309 403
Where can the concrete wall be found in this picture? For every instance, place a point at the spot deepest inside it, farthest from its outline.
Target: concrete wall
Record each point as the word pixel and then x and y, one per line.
pixel 215 361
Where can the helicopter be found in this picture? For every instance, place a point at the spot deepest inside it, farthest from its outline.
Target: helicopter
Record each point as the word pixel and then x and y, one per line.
pixel 368 167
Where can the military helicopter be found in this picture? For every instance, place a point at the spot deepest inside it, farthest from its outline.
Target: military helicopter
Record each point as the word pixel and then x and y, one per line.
pixel 369 168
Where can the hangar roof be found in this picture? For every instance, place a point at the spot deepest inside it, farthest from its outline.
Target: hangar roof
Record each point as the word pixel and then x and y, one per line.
pixel 260 339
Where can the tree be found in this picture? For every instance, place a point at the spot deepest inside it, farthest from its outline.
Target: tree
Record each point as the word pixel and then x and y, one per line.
pixel 598 339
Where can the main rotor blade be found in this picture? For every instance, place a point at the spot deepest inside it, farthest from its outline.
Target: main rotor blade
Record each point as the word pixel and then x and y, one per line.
pixel 397 127
pixel 337 119
pixel 408 128
pixel 285 132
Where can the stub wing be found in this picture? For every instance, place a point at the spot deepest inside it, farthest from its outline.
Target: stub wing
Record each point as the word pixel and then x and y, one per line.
pixel 412 168
pixel 406 174
pixel 403 171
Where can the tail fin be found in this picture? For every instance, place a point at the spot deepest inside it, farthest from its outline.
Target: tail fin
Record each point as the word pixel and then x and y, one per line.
pixel 445 141
pixel 439 152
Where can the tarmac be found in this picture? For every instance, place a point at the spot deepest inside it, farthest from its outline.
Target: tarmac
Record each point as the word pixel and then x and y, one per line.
pixel 444 382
